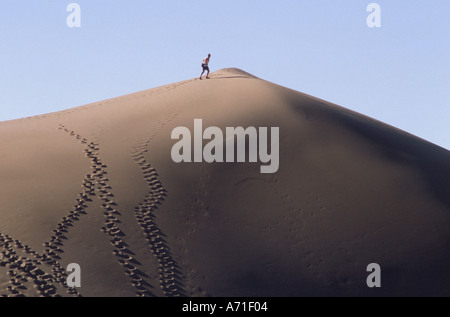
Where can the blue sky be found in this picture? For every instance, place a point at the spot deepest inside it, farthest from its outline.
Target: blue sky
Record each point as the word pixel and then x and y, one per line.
pixel 398 73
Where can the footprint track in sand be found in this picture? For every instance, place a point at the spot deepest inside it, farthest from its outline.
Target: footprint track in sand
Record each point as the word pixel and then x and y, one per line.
pixel 28 269
pixel 97 184
pixel 133 96
pixel 26 266
pixel 23 261
pixel 170 276
pixel 43 271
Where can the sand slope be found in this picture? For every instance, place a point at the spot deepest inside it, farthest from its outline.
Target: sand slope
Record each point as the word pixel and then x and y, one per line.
pixel 95 185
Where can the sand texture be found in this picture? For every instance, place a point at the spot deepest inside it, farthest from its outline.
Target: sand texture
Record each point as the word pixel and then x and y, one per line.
pixel 95 185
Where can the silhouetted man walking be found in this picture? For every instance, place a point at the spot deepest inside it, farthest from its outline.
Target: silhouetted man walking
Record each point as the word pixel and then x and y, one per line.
pixel 205 66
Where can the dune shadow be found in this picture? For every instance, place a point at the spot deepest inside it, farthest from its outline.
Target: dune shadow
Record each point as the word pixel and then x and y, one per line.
pixel 432 160
pixel 396 145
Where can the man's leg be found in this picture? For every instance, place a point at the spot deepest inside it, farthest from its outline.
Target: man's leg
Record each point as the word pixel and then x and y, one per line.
pixel 207 74
pixel 202 74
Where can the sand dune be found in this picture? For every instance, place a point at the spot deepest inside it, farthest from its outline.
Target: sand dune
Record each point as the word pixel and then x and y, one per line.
pixel 96 185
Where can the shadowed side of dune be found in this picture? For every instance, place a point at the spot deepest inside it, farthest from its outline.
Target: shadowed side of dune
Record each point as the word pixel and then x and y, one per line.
pixel 395 144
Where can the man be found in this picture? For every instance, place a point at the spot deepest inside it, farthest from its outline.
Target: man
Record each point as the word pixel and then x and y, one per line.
pixel 205 66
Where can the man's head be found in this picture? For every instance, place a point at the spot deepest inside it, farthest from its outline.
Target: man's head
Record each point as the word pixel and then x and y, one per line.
pixel 209 55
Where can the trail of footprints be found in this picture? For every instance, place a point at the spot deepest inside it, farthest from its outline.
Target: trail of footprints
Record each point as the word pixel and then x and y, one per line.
pixel 27 268
pixel 138 95
pixel 169 276
pixel 98 182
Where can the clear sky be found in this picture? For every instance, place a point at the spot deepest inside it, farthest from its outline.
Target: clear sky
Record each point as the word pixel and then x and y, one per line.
pixel 398 73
